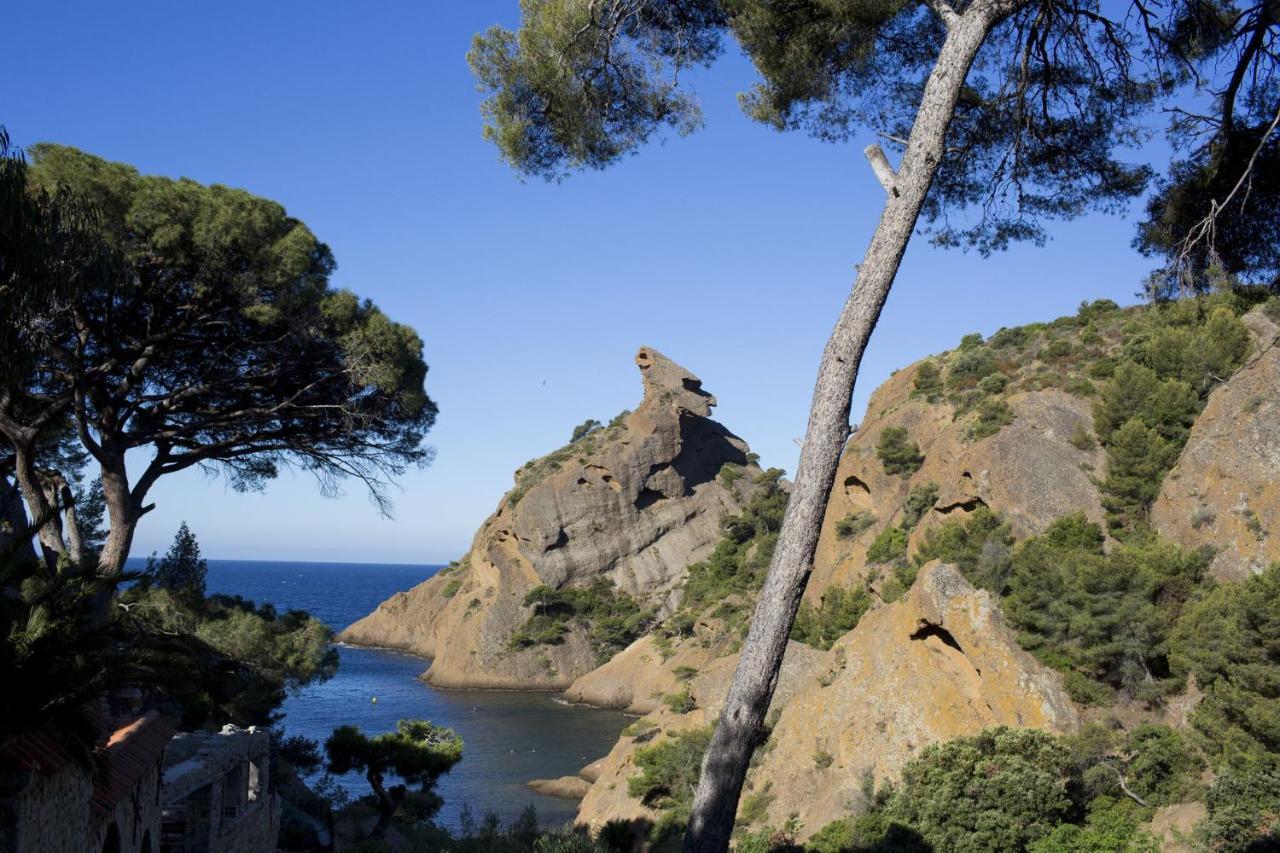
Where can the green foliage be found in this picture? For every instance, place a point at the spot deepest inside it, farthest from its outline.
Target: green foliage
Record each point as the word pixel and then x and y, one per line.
pixel 920 500
pixel 1109 828
pixel 822 759
pixel 991 414
pixel 1137 459
pixel 681 702
pixel 971 341
pixel 451 588
pixel 854 524
pixel 897 452
pixel 839 613
pixel 226 660
pixel 1105 616
pixel 1230 643
pixel 1243 810
pixel 261 363
pixel 669 771
pixel 1173 356
pixel 612 619
pixel 182 570
pixel 969 366
pixel 978 544
pixel 56 654
pixel 1002 789
pixel 889 545
pixel 1081 439
pixel 928 381
pixel 584 429
pixel 738 564
pixel 418 752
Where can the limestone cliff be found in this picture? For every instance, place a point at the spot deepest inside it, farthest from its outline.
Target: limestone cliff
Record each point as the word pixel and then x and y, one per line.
pixel 1225 490
pixel 938 664
pixel 635 502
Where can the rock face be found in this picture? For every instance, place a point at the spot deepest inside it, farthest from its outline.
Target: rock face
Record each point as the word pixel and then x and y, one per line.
pixel 1030 472
pixel 1225 489
pixel 635 502
pixel 608 799
pixel 936 665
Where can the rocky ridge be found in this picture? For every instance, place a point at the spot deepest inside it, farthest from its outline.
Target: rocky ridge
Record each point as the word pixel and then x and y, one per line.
pixel 634 502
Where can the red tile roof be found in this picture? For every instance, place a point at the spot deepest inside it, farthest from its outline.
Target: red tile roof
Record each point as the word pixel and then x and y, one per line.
pixel 130 752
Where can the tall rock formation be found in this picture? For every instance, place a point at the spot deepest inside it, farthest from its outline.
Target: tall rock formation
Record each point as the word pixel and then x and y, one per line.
pixel 635 502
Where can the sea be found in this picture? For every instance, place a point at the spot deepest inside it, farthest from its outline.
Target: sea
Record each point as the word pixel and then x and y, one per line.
pixel 509 737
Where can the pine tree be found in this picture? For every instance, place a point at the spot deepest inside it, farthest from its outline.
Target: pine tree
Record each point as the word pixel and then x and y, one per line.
pixel 182 569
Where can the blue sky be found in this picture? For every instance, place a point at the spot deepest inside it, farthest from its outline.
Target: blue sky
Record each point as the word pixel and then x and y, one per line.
pixel 731 251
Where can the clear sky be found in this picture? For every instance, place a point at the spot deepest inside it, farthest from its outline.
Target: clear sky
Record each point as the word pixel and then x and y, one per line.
pixel 731 251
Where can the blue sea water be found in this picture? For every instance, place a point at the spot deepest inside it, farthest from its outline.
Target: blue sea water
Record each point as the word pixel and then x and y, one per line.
pixel 509 737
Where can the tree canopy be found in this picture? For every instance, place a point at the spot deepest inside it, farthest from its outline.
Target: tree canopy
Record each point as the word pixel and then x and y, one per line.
pixel 219 343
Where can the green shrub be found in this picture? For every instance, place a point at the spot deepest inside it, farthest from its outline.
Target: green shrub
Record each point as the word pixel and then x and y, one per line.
pixel 1230 643
pixel 1002 789
pixel 978 544
pixel 451 588
pixel 840 612
pixel 890 545
pixel 684 673
pixel 898 454
pixel 968 367
pixel 1016 337
pixel 682 702
pixel 738 564
pixel 585 429
pixel 1243 809
pixel 919 501
pixel 970 341
pixel 854 524
pixel 1137 459
pixel 1106 616
pixel 1081 439
pixel 928 381
pixel 993 384
pixel 823 759
pixel 612 618
pixel 669 771
pixel 992 414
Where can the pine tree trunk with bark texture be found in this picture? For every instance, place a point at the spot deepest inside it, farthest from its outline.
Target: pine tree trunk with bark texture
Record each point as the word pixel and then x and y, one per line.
pixel 725 764
pixel 123 511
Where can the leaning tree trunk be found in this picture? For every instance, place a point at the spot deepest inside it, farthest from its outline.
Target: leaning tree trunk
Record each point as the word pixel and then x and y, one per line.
pixel 15 530
pixel 724 766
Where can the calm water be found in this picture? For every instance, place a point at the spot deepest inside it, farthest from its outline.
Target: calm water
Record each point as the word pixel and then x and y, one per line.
pixel 509 737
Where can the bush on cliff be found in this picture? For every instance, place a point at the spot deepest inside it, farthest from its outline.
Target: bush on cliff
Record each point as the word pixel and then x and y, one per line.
pixel 612 619
pixel 898 454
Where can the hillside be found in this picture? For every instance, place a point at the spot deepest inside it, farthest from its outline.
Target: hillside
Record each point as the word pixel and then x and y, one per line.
pixel 1033 530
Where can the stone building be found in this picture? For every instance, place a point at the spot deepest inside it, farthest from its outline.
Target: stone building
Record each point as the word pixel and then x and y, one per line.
pixel 51 802
pixel 216 795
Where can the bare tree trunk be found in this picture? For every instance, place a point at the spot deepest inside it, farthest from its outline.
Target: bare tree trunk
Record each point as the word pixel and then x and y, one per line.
pixel 13 522
pixel 123 512
pixel 65 500
pixel 725 764
pixel 43 513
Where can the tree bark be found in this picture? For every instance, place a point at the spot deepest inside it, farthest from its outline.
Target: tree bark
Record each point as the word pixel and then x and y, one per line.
pixel 43 513
pixel 725 764
pixel 13 522
pixel 123 512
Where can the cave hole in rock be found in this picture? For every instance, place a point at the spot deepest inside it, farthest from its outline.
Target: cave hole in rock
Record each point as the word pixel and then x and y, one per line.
pixel 928 629
pixel 852 482
pixel 562 539
pixel 968 505
pixel 648 497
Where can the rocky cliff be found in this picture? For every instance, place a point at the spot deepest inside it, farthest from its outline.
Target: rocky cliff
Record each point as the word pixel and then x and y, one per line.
pixel 634 502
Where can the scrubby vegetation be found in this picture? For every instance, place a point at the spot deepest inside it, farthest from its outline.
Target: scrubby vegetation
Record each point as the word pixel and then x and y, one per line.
pixel 838 614
pixel 669 772
pixel 736 568
pixel 1021 789
pixel 853 524
pixel 897 452
pixel 611 618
